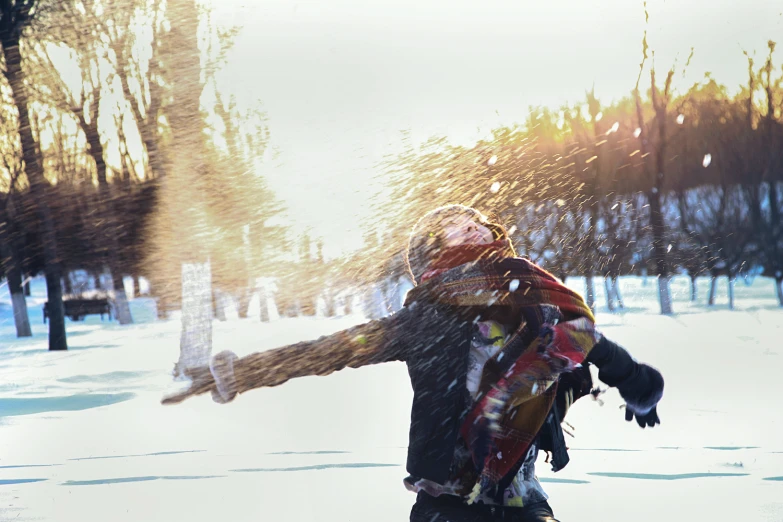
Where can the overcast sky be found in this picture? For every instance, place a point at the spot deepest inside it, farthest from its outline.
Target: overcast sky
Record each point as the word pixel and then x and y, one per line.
pixel 340 78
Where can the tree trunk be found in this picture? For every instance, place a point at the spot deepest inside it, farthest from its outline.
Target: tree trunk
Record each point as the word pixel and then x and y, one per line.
pixel 162 307
pixel 609 292
pixel 664 294
pixel 309 306
pixel 297 309
pixel 154 156
pixel 120 296
pixel 93 137
pixel 26 286
pixel 67 284
pixel 644 277
pixel 38 188
pixel 694 293
pixel 196 336
pixel 713 289
pixel 285 302
pixel 148 127
pixel 657 221
pixel 121 307
pixel 246 294
pixel 330 303
pixel 243 305
pixel 779 289
pixel 96 280
pixel 589 291
pixel 10 256
pixel 588 255
pixel 350 304
pixel 617 294
pixel 57 336
pixel 136 286
pixel 21 316
pixel 263 305
pixel 731 280
pixel 187 182
pixel 219 304
pixel 110 219
pixel 659 252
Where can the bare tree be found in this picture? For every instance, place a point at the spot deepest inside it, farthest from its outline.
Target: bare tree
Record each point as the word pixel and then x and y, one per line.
pixel 186 184
pixel 141 80
pixel 10 251
pixel 85 105
pixel 16 17
pixel 655 169
pixel 770 224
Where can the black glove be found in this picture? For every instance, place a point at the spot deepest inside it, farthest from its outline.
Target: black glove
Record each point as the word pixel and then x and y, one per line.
pixel 648 419
pixel 572 386
pixel 642 390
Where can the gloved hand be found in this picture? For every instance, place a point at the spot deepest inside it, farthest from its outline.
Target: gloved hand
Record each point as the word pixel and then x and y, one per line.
pixel 642 391
pixel 643 419
pixel 571 386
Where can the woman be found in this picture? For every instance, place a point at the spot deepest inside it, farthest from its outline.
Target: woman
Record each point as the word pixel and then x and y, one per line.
pixel 497 350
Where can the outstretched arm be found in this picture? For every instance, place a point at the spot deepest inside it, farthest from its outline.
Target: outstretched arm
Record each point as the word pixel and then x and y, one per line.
pixel 370 343
pixel 640 385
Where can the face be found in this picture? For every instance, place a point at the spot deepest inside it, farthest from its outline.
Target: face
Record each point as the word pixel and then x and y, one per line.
pixel 465 230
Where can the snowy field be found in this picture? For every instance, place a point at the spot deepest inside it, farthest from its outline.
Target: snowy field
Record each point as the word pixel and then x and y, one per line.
pixel 84 438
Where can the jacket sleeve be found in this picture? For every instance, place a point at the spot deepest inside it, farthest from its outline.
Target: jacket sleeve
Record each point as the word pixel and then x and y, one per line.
pixel 638 383
pixel 615 365
pixel 374 342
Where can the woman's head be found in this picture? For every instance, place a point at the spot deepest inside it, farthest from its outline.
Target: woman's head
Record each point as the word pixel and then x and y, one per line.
pixel 444 227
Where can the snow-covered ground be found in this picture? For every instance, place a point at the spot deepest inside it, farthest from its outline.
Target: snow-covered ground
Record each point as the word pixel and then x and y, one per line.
pixel 84 438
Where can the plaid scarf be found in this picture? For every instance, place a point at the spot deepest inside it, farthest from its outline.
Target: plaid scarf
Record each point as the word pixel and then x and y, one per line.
pixel 519 384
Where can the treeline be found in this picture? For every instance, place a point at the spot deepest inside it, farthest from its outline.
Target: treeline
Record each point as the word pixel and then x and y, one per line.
pixel 658 183
pixel 120 156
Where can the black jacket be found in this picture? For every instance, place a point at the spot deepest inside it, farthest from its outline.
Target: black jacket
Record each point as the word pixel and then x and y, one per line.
pixel 438 372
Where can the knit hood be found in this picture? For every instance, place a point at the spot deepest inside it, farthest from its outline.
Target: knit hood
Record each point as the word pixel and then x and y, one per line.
pixel 428 236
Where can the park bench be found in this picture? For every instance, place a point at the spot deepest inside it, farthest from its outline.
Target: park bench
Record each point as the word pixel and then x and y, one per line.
pixel 77 309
